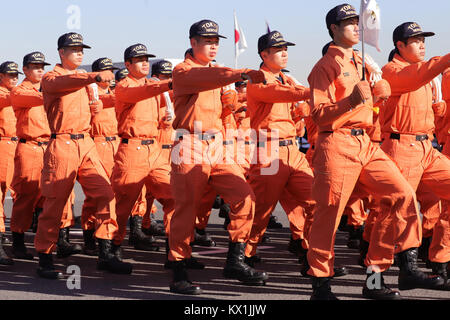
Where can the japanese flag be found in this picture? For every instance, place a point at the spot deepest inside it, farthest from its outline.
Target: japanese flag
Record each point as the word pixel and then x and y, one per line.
pixel 369 22
pixel 239 39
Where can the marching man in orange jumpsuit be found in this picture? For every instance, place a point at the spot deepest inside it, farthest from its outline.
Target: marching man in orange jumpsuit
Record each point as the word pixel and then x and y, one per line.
pixel 407 124
pixel 270 107
pixel 70 155
pixel 197 158
pixel 104 133
pixel 139 160
pixel 342 108
pixel 33 132
pixel 9 75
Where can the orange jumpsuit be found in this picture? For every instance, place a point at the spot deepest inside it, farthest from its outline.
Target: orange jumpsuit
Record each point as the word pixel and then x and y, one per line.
pixel 407 122
pixel 440 245
pixel 139 160
pixel 198 155
pixel 8 144
pixel 344 156
pixel 104 133
pixel 280 163
pixel 33 132
pixel 70 155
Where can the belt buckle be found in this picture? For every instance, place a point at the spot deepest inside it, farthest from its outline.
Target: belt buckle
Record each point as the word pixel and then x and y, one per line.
pixel 207 136
pixel 147 142
pixel 421 137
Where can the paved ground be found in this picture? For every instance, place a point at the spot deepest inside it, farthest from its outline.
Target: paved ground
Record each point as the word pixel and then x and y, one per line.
pixel 149 280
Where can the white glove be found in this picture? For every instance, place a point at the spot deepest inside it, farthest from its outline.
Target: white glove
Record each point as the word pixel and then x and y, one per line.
pixel 436 88
pixel 170 113
pixel 376 73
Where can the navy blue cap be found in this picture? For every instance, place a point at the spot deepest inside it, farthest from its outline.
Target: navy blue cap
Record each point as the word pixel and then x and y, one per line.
pixel 121 74
pixel 71 39
pixel 162 67
pixel 137 50
pixel 339 13
pixel 272 39
pixel 9 67
pixel 205 28
pixel 35 57
pixel 407 30
pixel 103 64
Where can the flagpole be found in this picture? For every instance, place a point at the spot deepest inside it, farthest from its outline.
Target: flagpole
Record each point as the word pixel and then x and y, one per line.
pixel 235 44
pixel 363 56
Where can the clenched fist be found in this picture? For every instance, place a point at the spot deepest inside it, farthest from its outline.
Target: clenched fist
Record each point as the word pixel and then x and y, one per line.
pixel 105 76
pixel 439 108
pixel 361 93
pixel 96 106
pixel 253 76
pixel 381 90
pixel 229 99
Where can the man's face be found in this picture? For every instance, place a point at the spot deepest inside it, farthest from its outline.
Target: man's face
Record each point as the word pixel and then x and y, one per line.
pixel 9 80
pixel 414 50
pixel 347 32
pixel 205 48
pixel 139 67
pixel 275 58
pixel 72 57
pixel 34 72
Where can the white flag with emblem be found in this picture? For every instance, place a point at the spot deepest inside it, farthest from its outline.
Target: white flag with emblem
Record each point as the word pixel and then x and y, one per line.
pixel 240 43
pixel 369 22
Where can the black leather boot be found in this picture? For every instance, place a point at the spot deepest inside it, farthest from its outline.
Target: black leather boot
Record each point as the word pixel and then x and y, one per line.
pixel 236 268
pixel 90 246
pixel 202 238
pixel 190 263
pixel 109 260
pixel 34 223
pixel 181 283
pixel 155 229
pixel 252 261
pixel 4 258
pixel 423 250
pixel 363 249
pixel 224 212
pixel 218 201
pixel 410 277
pixel 274 224
pixel 322 289
pixel 46 269
pixel 374 288
pixel 441 269
pixel 19 250
pixel 355 235
pixel 304 267
pixel 4 239
pixel 64 247
pixel 295 247
pixel 138 239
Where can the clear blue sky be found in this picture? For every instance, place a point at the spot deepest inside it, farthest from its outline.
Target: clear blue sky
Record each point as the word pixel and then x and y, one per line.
pixel 110 26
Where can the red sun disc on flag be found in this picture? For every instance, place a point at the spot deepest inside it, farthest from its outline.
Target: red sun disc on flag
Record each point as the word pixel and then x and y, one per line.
pixel 236 36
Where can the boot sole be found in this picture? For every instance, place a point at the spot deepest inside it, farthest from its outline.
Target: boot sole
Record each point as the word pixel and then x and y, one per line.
pixel 375 297
pixel 51 276
pixel 187 292
pixel 250 282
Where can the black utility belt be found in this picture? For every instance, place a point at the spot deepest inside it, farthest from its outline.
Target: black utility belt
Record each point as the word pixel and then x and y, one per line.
pixel 72 136
pixel 39 143
pixel 142 142
pixel 419 137
pixel 9 138
pixel 281 143
pixel 353 132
